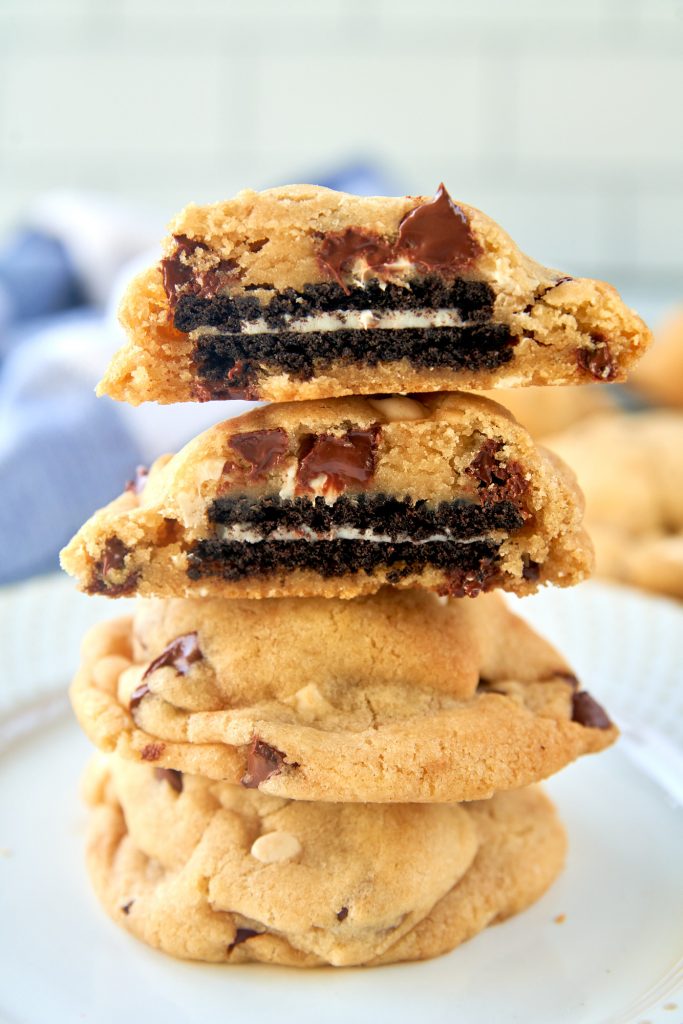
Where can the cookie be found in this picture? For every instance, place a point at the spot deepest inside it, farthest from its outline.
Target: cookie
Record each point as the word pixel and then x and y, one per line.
pixel 338 498
pixel 301 292
pixel 659 377
pixel 402 696
pixel 544 411
pixel 207 871
pixel 631 469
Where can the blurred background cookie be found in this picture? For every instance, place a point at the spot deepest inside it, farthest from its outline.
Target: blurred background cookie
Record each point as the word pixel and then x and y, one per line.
pixel 630 468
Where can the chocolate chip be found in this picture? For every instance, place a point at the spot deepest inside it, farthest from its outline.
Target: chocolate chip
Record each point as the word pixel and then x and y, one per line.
pixel 136 696
pixel 113 555
pixel 597 361
pixel 126 907
pixel 345 460
pixel 586 711
pixel 343 914
pixel 257 245
pixel 530 570
pixel 263 761
pixel 137 485
pixel 152 751
pixel 179 654
pixel 180 277
pixel 241 935
pixel 170 775
pixel 497 480
pixel 262 449
pixel 471 583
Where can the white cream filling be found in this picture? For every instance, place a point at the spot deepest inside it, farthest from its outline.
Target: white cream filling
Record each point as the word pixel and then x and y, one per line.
pixel 248 535
pixel 353 319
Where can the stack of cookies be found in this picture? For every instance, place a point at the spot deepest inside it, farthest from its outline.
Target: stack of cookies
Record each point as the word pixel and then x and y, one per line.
pixel 321 728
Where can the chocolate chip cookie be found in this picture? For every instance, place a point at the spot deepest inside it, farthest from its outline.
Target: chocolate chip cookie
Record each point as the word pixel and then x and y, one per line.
pixel 301 292
pixel 402 696
pixel 631 470
pixel 337 498
pixel 209 871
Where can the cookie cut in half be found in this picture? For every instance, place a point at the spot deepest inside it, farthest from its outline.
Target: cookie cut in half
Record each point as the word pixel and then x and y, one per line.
pixel 402 696
pixel 337 498
pixel 301 292
pixel 206 871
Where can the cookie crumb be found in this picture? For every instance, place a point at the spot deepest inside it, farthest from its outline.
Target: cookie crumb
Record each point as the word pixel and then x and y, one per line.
pixel 560 919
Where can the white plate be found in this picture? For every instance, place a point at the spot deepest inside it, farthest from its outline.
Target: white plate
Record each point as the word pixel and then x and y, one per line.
pixel 617 957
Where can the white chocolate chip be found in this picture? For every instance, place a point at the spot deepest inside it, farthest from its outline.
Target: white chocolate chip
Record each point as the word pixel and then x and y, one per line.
pixel 398 407
pixel 275 847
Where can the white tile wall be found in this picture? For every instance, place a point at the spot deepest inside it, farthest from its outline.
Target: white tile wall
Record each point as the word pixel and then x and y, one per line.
pixel 561 119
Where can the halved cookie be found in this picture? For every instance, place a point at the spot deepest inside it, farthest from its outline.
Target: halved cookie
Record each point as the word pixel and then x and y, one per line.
pixel 301 292
pixel 402 696
pixel 337 498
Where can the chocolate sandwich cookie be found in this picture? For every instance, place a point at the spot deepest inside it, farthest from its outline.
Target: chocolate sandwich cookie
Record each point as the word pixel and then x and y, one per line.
pixel 207 871
pixel 301 292
pixel 631 468
pixel 337 498
pixel 402 696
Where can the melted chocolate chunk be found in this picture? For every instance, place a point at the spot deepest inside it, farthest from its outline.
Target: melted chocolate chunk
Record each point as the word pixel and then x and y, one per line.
pixel 384 513
pixel 179 654
pixel 137 485
pixel 434 236
pixel 437 235
pixel 241 935
pixel 232 363
pixel 170 775
pixel 113 556
pixel 346 461
pixel 586 711
pixel 497 481
pixel 125 909
pixel 343 914
pixel 233 560
pixel 152 751
pixel 597 361
pixel 262 449
pixel 262 762
pixel 138 693
pixel 180 277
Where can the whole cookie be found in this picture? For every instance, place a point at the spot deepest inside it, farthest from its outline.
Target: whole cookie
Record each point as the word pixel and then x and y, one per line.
pixel 208 871
pixel 301 292
pixel 631 470
pixel 401 696
pixel 338 498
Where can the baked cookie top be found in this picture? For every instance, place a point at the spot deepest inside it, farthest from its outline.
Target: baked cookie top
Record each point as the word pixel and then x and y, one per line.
pixel 207 871
pixel 401 696
pixel 339 497
pixel 631 469
pixel 301 292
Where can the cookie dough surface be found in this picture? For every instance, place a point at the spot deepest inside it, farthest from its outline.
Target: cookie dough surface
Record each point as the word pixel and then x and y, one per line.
pixel 207 871
pixel 336 498
pixel 631 470
pixel 399 697
pixel 300 292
